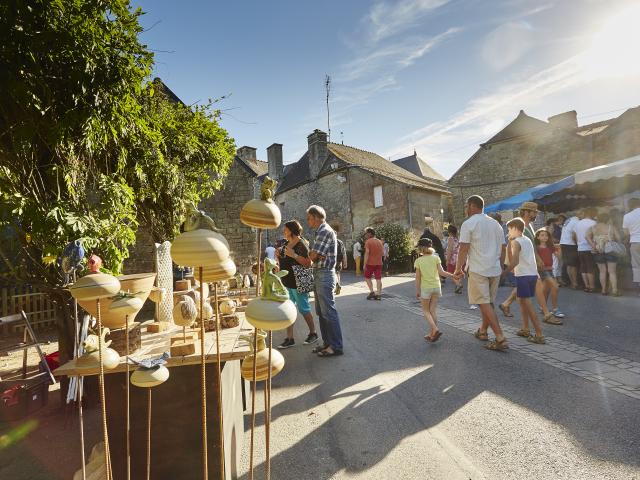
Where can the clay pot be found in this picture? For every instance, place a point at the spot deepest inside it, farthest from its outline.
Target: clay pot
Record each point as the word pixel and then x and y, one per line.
pixel 227 307
pixel 138 283
pixel 110 359
pixel 94 286
pixel 157 294
pixel 185 312
pixel 150 377
pixel 270 315
pixel 199 248
pixel 262 368
pixel 260 214
pixel 126 306
pixel 222 271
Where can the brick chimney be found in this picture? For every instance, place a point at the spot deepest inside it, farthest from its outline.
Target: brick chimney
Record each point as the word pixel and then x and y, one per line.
pixel 274 157
pixel 318 152
pixel 566 120
pixel 248 154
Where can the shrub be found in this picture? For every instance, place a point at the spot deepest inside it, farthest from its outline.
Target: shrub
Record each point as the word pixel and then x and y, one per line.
pixel 399 240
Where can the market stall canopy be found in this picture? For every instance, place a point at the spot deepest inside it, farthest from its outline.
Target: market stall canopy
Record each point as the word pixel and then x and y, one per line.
pixel 512 203
pixel 592 187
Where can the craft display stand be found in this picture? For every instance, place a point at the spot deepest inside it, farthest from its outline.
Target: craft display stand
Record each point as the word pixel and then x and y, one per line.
pixel 176 433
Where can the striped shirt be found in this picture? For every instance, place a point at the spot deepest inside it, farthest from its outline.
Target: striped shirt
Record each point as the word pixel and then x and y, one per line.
pixel 325 245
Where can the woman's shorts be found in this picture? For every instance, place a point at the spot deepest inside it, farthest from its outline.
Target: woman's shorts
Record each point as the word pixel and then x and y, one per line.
pixel 526 286
pixel 300 299
pixel 605 258
pixel 426 293
pixel 546 274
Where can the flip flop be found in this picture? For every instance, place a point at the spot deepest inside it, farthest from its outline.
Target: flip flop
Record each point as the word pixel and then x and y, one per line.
pixel 319 348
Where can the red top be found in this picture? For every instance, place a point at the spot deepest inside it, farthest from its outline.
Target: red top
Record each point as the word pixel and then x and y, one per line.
pixel 546 253
pixel 375 250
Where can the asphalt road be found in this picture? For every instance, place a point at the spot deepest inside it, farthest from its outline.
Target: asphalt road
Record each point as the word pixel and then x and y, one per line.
pixel 395 407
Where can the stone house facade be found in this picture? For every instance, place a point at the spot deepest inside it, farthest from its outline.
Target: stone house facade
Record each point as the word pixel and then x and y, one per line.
pixel 529 152
pixel 357 189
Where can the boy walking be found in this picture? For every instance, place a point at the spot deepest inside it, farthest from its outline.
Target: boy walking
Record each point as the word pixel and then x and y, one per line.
pixel 522 260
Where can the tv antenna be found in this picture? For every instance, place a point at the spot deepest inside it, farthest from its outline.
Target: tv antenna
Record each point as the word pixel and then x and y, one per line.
pixel 327 86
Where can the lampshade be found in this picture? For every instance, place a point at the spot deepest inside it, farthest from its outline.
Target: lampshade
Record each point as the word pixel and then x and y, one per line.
pixel 261 214
pixel 222 271
pixel 150 377
pixel 271 315
pixel 199 248
pixel 262 367
pixel 95 286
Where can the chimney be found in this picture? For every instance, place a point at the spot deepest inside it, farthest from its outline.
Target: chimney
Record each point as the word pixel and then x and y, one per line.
pixel 248 154
pixel 274 157
pixel 318 152
pixel 566 120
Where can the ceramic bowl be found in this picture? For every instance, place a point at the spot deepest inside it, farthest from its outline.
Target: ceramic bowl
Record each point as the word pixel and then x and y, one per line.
pixel 110 359
pixel 222 271
pixel 270 315
pixel 199 248
pixel 95 286
pixel 150 378
pixel 262 368
pixel 260 214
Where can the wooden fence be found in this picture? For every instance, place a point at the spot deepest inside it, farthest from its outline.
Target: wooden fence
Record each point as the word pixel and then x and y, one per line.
pixel 37 306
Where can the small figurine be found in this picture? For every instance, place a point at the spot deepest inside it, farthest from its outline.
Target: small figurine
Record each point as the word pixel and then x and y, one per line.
pixel 196 219
pixel 92 342
pixel 95 262
pixel 151 363
pixel 272 287
pixel 268 189
pixel 71 259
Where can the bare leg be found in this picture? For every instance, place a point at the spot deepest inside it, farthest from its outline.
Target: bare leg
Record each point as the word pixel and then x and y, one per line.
pixel 427 315
pixel 369 284
pixel 432 309
pixel 490 319
pixel 602 269
pixel 510 299
pixel 573 276
pixel 527 305
pixel 552 287
pixel 309 319
pixel 290 332
pixel 540 298
pixel 613 277
pixel 379 286
pixel 591 278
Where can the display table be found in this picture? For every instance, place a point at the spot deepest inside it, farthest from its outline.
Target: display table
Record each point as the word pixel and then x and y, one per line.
pixel 176 431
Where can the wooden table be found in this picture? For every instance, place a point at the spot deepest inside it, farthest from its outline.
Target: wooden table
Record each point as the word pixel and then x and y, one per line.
pixel 176 419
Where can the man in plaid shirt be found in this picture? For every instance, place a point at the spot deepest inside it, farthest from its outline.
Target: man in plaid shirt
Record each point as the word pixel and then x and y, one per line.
pixel 323 253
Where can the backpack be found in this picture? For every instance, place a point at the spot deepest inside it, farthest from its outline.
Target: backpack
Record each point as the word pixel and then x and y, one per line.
pixel 340 252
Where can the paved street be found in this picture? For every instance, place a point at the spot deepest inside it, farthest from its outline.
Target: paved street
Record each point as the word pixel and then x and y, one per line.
pixel 396 407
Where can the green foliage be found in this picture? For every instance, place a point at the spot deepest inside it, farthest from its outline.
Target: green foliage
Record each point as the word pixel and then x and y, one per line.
pixel 89 148
pixel 399 240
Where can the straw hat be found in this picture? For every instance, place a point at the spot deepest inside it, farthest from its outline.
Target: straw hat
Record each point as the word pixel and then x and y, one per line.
pixel 533 206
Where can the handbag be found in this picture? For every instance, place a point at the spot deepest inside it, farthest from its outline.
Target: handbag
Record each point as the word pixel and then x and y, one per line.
pixel 304 278
pixel 614 247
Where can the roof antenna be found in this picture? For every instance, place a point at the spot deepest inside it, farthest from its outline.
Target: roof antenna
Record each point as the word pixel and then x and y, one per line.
pixel 327 86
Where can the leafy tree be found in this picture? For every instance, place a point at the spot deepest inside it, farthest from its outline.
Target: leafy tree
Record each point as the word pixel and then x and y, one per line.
pixel 89 147
pixel 399 240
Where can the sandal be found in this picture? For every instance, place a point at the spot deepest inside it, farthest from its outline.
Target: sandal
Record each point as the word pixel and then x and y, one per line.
pixel 326 353
pixel 481 335
pixel 320 348
pixel 435 337
pixel 523 333
pixel 551 320
pixel 536 339
pixel 499 346
pixel 506 311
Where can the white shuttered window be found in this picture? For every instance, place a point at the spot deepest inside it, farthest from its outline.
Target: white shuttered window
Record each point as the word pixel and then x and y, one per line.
pixel 377 196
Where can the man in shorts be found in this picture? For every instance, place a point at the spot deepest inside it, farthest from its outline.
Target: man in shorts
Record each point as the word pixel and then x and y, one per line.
pixel 373 254
pixel 585 257
pixel 569 250
pixel 482 249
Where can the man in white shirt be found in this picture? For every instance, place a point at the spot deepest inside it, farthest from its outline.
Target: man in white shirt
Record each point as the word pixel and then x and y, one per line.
pixel 385 256
pixel 569 249
pixel 585 257
pixel 631 227
pixel 357 255
pixel 482 242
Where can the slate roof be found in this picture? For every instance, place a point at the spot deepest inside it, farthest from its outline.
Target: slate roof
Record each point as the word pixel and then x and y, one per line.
pixel 298 173
pixel 523 124
pixel 419 167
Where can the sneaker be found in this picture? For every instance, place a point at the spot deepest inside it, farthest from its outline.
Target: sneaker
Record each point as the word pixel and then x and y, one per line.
pixel 473 307
pixel 557 313
pixel 311 338
pixel 288 342
pixel 371 296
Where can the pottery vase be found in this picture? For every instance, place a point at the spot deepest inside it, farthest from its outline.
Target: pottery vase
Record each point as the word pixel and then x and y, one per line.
pixel 150 377
pixel 262 364
pixel 261 214
pixel 271 315
pixel 199 248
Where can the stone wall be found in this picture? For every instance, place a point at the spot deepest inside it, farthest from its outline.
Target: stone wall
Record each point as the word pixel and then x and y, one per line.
pixel 142 254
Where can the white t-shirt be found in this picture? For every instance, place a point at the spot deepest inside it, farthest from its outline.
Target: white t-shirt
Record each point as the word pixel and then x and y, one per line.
pixel 485 238
pixel 527 261
pixel 386 250
pixel 357 250
pixel 631 221
pixel 271 252
pixel 582 227
pixel 567 231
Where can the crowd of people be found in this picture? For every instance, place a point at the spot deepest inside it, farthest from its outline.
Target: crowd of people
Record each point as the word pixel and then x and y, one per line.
pixel 484 250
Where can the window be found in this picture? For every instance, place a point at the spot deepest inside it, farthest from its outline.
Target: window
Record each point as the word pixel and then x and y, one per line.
pixel 377 196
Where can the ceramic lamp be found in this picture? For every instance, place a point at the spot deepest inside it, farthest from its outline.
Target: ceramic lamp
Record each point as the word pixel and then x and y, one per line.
pixel 95 286
pixel 260 214
pixel 185 311
pixel 262 365
pixel 91 360
pixel 227 307
pixel 270 315
pixel 126 306
pixel 217 273
pixel 150 377
pixel 199 248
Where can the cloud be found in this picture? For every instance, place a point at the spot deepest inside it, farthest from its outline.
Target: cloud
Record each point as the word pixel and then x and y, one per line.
pixel 506 44
pixel 386 19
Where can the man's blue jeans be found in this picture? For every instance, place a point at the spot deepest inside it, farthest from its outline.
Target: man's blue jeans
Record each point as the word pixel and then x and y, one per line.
pixel 324 287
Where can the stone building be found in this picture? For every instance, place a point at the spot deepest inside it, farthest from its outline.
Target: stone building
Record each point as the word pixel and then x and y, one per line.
pixel 357 188
pixel 529 152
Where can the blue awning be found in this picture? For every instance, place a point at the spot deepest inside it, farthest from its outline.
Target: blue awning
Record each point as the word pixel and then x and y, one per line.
pixel 514 202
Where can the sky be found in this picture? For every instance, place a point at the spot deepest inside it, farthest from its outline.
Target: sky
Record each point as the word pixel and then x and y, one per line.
pixel 435 76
